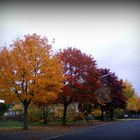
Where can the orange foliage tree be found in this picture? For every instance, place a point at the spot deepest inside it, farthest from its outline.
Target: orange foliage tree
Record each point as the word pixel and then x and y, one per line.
pixel 28 71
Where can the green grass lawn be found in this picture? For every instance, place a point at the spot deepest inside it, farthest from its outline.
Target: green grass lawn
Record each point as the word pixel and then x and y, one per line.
pixel 10 124
pixel 19 124
pixel 13 124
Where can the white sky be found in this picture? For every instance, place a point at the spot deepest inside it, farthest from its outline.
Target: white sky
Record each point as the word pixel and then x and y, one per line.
pixel 109 32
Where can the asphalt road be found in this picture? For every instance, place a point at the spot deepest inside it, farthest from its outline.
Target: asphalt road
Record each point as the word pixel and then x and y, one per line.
pixel 129 130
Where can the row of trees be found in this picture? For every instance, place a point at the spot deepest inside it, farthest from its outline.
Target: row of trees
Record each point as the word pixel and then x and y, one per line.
pixel 31 73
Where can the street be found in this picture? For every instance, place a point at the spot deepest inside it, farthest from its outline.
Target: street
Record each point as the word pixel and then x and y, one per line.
pixel 129 130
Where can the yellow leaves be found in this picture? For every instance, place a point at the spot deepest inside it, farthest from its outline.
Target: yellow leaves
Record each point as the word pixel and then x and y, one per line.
pixel 129 91
pixel 138 104
pixel 52 95
pixel 45 98
pixel 131 104
pixel 9 97
pixel 97 112
pixel 18 107
pixel 30 69
pixel 134 103
pixel 26 96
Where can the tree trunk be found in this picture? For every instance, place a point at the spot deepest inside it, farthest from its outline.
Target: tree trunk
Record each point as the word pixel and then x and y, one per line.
pixel 86 117
pixel 25 117
pixel 64 114
pixel 111 114
pixel 45 114
pixel 102 114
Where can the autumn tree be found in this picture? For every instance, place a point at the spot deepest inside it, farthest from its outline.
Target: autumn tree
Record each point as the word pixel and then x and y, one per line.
pixel 115 95
pixel 28 71
pixel 80 77
pixel 103 94
pixel 133 99
pixel 119 100
pixel 138 106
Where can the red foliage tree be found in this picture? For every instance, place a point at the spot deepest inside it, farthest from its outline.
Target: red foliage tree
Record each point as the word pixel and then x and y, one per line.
pixel 81 78
pixel 116 95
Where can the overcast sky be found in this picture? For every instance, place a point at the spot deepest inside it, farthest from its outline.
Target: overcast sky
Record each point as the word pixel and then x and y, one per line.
pixel 110 32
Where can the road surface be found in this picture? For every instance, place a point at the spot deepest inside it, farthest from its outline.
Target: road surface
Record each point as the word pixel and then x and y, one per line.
pixel 128 130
